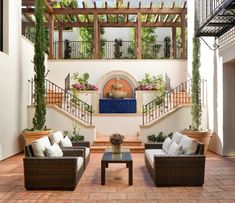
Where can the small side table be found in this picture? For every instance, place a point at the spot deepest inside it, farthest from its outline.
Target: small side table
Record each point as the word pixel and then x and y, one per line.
pixel 123 157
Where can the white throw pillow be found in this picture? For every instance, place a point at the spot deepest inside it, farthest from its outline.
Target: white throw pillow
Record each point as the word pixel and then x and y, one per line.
pixel 176 137
pixel 39 146
pixel 56 137
pixel 66 142
pixel 166 144
pixel 189 145
pixel 175 149
pixel 54 151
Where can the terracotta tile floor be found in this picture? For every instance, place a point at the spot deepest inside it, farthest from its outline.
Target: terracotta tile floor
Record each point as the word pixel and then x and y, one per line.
pixel 219 184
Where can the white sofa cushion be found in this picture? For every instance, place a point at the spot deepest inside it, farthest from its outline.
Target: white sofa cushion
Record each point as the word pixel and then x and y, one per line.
pixel 56 137
pixel 79 162
pixel 166 144
pixel 177 137
pixel 54 151
pixel 189 145
pixel 150 155
pixel 66 142
pixel 87 151
pixel 39 146
pixel 175 149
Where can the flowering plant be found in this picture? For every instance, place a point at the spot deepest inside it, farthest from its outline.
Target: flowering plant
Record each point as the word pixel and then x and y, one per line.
pixel 80 87
pixel 116 139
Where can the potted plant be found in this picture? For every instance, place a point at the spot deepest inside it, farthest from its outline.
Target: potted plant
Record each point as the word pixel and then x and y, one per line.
pixel 116 140
pixel 196 111
pixel 39 128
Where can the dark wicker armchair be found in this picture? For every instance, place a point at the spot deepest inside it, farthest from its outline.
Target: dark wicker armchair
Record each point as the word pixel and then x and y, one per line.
pixel 60 173
pixel 181 170
pixel 85 145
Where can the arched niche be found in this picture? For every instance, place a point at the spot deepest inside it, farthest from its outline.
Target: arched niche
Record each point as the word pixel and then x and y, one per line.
pixel 107 81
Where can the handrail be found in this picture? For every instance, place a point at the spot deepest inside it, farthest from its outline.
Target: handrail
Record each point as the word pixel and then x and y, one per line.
pixel 178 96
pixel 65 100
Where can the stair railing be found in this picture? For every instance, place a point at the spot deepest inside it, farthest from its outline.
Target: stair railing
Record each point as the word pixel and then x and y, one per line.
pixel 178 96
pixel 65 100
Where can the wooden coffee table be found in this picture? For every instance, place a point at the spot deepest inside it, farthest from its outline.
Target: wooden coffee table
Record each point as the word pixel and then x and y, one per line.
pixel 123 157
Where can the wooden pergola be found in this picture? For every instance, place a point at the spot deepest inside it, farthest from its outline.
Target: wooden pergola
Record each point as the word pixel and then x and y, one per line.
pixel 117 16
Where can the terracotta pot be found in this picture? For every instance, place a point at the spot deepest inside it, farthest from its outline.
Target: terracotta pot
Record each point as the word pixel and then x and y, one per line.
pixel 201 136
pixel 116 148
pixel 30 136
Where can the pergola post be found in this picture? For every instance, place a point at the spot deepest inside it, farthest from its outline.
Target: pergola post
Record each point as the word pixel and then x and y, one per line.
pixel 138 36
pixel 183 55
pixel 96 36
pixel 51 35
pixel 60 43
pixel 174 41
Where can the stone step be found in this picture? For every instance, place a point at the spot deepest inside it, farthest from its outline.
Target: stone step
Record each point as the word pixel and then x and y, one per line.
pixel 133 149
pixel 126 143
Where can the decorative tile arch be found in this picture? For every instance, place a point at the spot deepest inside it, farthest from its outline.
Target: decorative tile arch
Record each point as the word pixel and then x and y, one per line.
pixel 107 81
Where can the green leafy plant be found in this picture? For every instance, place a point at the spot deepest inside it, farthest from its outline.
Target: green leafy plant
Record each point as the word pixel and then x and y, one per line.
pixel 196 110
pixel 75 135
pixel 117 45
pixel 160 137
pixel 39 68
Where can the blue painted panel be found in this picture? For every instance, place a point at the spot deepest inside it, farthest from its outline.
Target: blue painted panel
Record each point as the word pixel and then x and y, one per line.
pixel 117 105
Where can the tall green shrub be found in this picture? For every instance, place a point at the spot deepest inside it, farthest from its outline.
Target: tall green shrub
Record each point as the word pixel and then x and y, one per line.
pixel 39 68
pixel 196 110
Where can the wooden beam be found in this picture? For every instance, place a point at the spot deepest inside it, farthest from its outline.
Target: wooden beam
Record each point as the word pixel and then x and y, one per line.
pixel 110 24
pixel 96 36
pixel 174 41
pixel 156 18
pixel 175 18
pixel 107 16
pixel 60 42
pixel 183 36
pixel 49 8
pixel 139 54
pixel 51 35
pixel 147 15
pixel 92 11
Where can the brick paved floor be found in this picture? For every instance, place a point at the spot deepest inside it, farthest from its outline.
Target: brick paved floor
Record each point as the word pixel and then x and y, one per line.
pixel 219 184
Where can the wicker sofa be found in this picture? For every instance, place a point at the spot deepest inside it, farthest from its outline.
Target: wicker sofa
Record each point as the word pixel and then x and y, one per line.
pixel 175 170
pixel 56 137
pixel 59 173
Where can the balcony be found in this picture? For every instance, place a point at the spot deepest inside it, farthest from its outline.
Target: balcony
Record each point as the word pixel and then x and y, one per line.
pixel 215 16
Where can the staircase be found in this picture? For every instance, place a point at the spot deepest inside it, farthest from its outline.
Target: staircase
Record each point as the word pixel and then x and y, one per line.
pixel 102 142
pixel 172 99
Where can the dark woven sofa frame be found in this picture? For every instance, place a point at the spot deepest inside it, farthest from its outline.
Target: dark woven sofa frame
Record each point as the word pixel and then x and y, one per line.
pixel 182 170
pixel 81 145
pixel 56 173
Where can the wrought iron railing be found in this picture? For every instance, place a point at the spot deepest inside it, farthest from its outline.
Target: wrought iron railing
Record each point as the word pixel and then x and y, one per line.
pixel 205 8
pixel 109 50
pixel 73 49
pixel 178 96
pixel 65 100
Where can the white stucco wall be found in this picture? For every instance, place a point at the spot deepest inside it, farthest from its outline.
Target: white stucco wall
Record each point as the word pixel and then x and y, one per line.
pixel 175 69
pixel 179 120
pixel 16 69
pixel 59 120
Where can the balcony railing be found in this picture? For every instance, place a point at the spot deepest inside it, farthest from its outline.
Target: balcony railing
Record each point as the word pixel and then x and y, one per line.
pixel 110 50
